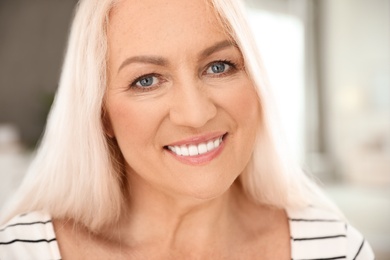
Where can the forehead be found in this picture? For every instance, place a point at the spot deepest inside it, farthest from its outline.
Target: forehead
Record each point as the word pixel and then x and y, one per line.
pixel 160 24
pixel 147 12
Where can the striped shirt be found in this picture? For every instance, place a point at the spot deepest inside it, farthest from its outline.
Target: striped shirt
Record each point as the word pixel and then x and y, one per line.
pixel 315 234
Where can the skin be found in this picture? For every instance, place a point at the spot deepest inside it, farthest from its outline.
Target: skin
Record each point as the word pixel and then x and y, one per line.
pixel 178 210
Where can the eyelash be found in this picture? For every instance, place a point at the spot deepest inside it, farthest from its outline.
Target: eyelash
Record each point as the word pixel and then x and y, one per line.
pixel 133 85
pixel 231 64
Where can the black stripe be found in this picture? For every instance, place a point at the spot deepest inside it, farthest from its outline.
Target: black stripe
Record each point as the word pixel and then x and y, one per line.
pixel 360 248
pixel 313 220
pixel 316 238
pixel 329 258
pixel 28 241
pixel 25 224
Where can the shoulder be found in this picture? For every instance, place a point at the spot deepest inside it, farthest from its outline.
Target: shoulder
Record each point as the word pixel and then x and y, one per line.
pixel 359 248
pixel 28 236
pixel 321 234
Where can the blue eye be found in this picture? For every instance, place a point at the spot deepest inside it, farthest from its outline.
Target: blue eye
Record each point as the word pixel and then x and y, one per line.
pixel 146 81
pixel 218 67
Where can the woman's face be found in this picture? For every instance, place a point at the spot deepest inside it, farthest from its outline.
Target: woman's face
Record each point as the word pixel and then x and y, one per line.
pixel 179 103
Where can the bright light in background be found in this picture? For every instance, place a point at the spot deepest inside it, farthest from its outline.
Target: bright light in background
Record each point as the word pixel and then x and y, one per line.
pixel 281 42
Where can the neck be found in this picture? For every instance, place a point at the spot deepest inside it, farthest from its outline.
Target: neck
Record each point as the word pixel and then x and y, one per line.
pixel 179 221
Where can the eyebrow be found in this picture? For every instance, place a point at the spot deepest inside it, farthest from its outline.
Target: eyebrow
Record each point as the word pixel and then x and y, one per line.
pixel 217 47
pixel 160 61
pixel 144 59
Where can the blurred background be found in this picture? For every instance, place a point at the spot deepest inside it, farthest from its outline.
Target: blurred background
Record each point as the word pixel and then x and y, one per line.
pixel 328 62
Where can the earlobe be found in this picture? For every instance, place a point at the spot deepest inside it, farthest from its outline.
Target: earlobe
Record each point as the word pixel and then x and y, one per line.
pixel 107 127
pixel 108 131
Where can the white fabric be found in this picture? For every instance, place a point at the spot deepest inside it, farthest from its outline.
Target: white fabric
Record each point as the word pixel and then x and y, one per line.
pixel 319 234
pixel 29 236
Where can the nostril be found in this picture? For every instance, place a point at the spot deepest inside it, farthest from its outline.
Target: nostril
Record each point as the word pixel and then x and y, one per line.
pixel 192 115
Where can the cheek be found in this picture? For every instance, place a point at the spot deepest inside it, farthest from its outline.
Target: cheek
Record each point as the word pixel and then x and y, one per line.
pixel 243 105
pixel 248 108
pixel 124 119
pixel 133 122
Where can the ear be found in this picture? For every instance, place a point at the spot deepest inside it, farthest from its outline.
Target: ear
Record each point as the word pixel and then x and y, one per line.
pixel 107 126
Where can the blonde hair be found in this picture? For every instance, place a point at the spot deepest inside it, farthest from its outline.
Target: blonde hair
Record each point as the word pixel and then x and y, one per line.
pixel 76 172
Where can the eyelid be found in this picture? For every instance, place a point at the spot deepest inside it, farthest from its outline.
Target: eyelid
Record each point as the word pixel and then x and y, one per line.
pixel 232 65
pixel 133 82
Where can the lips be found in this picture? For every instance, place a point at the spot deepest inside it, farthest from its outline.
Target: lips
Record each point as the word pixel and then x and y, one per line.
pixel 196 149
pixel 199 150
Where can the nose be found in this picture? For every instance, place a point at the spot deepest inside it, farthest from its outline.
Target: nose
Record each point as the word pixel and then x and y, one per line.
pixel 192 106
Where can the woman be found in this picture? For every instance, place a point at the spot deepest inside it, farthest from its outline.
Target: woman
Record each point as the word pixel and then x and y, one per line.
pixel 162 145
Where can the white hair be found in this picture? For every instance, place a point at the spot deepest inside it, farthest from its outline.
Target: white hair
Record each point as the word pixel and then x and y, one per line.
pixel 77 172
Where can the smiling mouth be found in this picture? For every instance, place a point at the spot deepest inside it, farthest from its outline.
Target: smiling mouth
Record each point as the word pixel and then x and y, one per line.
pixel 196 149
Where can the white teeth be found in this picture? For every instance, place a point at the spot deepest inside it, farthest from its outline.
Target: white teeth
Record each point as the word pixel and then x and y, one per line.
pixel 193 150
pixel 202 148
pixel 177 150
pixel 216 143
pixel 184 150
pixel 210 145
